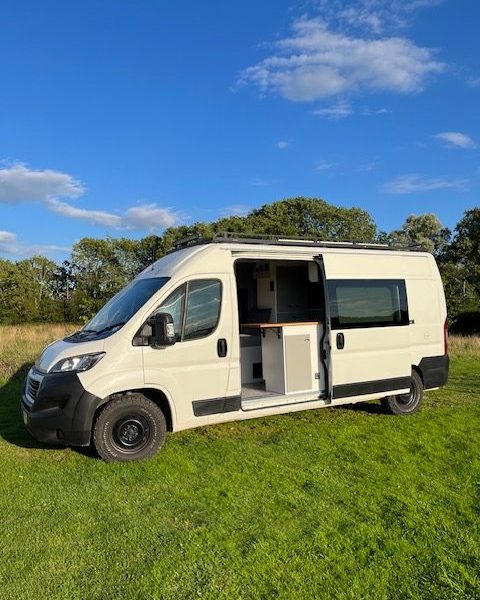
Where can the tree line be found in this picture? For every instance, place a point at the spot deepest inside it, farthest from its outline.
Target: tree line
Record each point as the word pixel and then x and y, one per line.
pixel 38 289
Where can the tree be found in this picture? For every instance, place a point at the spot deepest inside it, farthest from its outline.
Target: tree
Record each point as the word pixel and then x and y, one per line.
pixel 95 275
pixel 309 217
pixel 460 295
pixel 465 247
pixel 312 217
pixel 424 232
pixel 27 291
pixel 460 269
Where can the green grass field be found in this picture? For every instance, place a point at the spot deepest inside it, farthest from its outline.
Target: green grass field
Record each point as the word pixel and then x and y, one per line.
pixel 334 503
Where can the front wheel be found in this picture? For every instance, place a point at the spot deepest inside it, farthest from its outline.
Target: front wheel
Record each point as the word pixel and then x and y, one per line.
pixel 406 404
pixel 129 428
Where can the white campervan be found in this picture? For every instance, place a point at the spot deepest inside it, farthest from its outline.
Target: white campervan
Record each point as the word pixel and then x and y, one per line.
pixel 237 328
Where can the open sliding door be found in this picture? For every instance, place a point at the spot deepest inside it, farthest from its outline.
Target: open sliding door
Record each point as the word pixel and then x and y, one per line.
pixel 367 325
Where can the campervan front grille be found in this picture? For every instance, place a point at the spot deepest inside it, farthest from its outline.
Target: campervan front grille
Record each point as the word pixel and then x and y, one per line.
pixel 32 387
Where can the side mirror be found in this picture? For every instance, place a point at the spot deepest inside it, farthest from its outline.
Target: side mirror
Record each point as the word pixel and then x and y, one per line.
pixel 163 330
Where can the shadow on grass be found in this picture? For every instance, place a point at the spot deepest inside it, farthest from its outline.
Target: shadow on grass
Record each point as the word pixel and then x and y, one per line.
pixel 12 429
pixel 371 407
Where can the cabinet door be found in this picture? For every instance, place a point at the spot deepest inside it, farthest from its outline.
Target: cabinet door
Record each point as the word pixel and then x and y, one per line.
pixel 298 363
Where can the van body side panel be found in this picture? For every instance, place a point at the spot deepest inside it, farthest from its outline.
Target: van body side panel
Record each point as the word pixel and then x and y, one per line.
pixel 426 332
pixel 372 360
pixel 429 313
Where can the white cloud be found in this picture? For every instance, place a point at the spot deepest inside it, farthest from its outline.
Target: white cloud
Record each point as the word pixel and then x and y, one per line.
pixel 368 167
pixel 18 183
pixel 144 217
pixel 10 245
pixel 375 16
pixel 149 217
pixel 96 217
pixel 371 112
pixel 455 139
pixel 411 183
pixel 316 62
pixel 282 144
pixel 337 111
pixel 8 242
pixel 236 210
pixel 473 82
pixel 323 165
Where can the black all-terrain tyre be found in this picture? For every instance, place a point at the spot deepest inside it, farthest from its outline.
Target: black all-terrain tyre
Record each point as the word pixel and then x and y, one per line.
pixel 406 404
pixel 130 427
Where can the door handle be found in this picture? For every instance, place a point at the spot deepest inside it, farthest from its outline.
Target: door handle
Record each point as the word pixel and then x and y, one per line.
pixel 340 341
pixel 222 347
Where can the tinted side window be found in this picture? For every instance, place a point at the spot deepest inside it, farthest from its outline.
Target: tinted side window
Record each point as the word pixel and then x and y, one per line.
pixel 175 305
pixel 367 303
pixel 203 308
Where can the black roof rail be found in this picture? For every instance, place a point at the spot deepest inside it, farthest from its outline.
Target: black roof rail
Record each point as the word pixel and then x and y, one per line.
pixel 191 240
pixel 281 240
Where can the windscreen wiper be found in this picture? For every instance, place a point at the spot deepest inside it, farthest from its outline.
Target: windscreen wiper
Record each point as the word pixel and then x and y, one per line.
pixel 82 331
pixel 108 328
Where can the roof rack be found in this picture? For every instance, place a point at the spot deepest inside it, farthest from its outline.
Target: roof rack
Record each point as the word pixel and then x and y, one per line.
pixel 279 240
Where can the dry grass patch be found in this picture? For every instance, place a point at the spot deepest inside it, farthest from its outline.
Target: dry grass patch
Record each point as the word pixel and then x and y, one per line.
pixel 464 344
pixel 21 344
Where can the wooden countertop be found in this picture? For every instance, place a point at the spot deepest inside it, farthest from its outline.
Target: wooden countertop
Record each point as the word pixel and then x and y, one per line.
pixel 276 325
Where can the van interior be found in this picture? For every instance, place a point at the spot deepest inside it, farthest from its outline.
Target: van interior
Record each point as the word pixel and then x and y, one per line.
pixel 281 311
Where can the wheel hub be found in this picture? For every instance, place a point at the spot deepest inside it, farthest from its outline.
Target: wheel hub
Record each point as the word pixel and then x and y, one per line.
pixel 131 432
pixel 408 399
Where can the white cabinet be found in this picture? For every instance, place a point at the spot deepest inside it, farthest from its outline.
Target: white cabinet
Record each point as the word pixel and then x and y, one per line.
pixel 291 357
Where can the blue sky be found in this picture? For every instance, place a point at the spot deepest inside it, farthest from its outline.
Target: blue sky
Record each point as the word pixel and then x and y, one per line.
pixel 122 117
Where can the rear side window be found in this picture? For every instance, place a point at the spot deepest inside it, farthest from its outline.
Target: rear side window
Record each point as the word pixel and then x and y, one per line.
pixel 356 304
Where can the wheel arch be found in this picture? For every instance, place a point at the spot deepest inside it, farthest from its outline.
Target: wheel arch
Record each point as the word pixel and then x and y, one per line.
pixel 159 397
pixel 418 370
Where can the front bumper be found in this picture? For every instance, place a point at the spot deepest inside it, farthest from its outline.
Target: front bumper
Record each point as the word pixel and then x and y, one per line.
pixel 57 409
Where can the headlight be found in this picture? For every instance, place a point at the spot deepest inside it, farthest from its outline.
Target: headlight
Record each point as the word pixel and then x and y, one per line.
pixel 77 363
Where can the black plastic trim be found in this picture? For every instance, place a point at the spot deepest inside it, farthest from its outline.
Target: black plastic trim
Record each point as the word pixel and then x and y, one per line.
pixel 214 406
pixel 434 371
pixel 62 412
pixel 370 387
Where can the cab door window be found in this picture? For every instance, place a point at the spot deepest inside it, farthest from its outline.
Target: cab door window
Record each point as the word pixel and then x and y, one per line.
pixel 175 306
pixel 195 308
pixel 203 308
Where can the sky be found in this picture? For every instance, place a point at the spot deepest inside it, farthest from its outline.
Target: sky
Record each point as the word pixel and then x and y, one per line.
pixel 124 117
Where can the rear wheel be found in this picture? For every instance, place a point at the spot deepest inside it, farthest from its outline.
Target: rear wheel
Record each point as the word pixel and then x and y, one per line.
pixel 406 404
pixel 129 428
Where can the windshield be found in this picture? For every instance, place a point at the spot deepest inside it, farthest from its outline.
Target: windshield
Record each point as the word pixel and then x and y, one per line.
pixel 119 309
